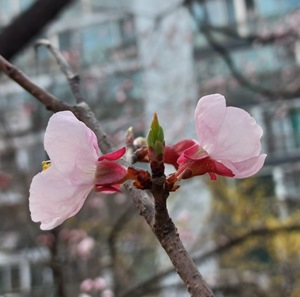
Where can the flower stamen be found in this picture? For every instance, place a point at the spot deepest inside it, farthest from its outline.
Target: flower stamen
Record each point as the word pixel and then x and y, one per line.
pixel 46 165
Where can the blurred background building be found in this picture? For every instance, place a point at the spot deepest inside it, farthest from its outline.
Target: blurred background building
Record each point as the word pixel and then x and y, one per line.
pixel 136 57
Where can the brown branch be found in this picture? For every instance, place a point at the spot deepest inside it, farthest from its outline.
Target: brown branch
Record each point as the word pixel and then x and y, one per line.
pixel 167 234
pixel 57 266
pixel 81 110
pixel 221 248
pixel 28 25
pixel 50 101
pixel 160 223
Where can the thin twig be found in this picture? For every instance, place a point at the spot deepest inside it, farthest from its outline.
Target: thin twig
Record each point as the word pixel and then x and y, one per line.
pixel 207 30
pixel 113 236
pixel 81 110
pixel 73 78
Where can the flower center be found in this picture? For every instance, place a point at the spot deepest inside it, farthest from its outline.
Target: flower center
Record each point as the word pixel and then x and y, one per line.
pixel 46 165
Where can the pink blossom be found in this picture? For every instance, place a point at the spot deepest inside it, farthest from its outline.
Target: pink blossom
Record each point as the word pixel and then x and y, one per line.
pixel 228 142
pixel 172 153
pixel 87 285
pixel 85 247
pixel 107 293
pixel 84 295
pixel 99 283
pixel 108 171
pixel 4 180
pixel 59 192
pixel 46 239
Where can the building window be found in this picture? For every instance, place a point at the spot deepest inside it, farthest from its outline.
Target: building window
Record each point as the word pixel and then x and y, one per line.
pixel 24 4
pixel 280 136
pixel 127 30
pixel 292 185
pixel 295 121
pixel 215 12
pixel 283 126
pixel 230 11
pixel 15 277
pixel 65 41
pixel 250 5
pixel 6 11
pixel 97 39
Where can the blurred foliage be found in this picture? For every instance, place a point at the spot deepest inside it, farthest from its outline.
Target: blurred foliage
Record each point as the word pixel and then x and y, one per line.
pixel 271 260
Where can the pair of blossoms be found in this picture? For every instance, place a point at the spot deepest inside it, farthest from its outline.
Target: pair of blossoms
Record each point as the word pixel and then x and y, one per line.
pixel 228 145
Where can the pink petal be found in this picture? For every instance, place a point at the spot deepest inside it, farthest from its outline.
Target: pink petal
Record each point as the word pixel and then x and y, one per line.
pixel 209 116
pixel 113 156
pixel 193 153
pixel 238 138
pixel 246 168
pixel 172 153
pixel 189 167
pixel 53 198
pixel 71 145
pixel 108 189
pixel 109 172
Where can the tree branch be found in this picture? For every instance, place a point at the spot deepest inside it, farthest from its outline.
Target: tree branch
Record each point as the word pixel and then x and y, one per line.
pixel 166 233
pixel 29 24
pixel 73 78
pixel 49 101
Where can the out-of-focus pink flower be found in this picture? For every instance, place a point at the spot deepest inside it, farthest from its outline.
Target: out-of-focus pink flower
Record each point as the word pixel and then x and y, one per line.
pixel 228 142
pixel 74 235
pixel 59 192
pixel 4 180
pixel 107 293
pixel 46 239
pixel 99 284
pixel 87 285
pixel 85 247
pixel 84 295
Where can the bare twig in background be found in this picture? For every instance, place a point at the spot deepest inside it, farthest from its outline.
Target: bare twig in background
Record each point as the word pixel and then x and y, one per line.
pixel 208 31
pixel 240 77
pixel 23 29
pixel 112 238
pixel 153 285
pixel 73 78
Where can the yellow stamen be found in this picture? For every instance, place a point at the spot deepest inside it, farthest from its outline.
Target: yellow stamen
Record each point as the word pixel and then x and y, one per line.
pixel 46 165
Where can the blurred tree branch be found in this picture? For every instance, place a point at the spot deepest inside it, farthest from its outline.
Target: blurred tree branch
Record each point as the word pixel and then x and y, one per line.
pixel 112 239
pixel 220 48
pixel 73 78
pixel 28 25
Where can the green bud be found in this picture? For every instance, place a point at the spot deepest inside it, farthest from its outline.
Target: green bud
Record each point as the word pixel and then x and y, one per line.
pixel 156 148
pixel 156 133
